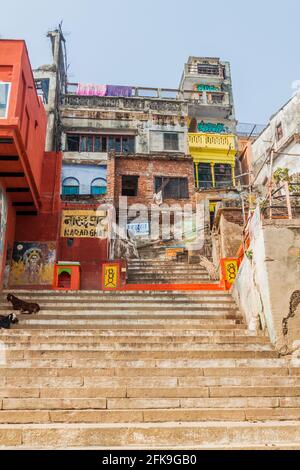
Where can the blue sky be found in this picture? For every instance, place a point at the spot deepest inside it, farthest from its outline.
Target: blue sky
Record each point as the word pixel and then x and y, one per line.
pixel 138 42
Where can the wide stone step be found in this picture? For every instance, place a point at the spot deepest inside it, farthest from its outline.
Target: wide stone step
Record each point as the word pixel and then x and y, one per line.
pixel 96 320
pixel 136 353
pixel 137 307
pixel 155 301
pixel 128 346
pixel 184 277
pixel 132 315
pixel 136 271
pixel 31 325
pixel 51 376
pixel 82 381
pixel 188 333
pixel 77 341
pixel 114 294
pixel 163 400
pixel 214 366
pixel 146 435
pixel 137 416
pixel 156 392
pixel 165 267
pixel 150 416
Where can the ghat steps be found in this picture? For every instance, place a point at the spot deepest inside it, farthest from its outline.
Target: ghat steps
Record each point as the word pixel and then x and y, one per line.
pixel 143 369
pixel 162 271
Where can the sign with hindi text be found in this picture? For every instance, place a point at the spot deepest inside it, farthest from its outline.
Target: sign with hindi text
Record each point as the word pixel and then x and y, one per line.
pixel 84 224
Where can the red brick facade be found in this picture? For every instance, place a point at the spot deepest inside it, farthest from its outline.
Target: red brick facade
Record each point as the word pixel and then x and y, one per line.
pixel 147 167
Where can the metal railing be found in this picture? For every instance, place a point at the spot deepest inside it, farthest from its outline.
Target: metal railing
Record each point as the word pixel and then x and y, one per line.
pixel 249 130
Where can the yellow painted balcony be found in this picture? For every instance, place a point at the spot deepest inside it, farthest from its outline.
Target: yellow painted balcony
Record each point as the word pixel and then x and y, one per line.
pixel 216 142
pixel 215 148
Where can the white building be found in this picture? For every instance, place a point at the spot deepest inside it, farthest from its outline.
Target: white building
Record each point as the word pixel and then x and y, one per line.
pixel 282 136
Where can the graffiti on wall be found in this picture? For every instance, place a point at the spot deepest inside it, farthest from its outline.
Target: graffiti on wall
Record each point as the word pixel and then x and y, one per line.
pixel 208 127
pixel 32 263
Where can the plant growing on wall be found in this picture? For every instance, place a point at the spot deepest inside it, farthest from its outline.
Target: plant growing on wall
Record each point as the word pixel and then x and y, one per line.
pixel 281 174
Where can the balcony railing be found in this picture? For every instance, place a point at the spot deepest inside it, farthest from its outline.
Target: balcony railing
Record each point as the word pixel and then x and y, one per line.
pixel 211 141
pixel 209 70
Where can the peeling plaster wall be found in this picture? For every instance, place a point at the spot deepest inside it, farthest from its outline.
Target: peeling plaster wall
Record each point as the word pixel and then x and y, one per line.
pixel 282 245
pixel 265 283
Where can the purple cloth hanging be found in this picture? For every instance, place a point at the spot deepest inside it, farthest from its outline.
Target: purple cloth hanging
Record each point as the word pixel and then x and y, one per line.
pixel 116 90
pixel 91 90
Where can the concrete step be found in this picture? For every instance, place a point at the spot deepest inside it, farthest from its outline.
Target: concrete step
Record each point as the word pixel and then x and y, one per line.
pixel 208 434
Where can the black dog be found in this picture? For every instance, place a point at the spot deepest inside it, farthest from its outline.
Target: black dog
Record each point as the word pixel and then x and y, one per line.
pixel 7 320
pixel 24 307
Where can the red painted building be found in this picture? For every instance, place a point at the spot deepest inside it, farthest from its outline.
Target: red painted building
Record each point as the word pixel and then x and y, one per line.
pixel 29 177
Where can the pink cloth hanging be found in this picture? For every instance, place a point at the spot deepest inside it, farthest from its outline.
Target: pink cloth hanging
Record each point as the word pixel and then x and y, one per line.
pixel 91 90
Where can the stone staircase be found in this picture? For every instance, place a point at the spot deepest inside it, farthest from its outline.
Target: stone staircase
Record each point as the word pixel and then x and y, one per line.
pixel 143 369
pixel 162 271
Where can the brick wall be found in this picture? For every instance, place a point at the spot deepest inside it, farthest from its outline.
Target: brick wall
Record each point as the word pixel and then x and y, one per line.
pixel 233 215
pixel 146 167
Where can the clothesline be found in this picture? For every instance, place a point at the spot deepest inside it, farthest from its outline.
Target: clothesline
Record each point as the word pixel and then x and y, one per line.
pixel 103 90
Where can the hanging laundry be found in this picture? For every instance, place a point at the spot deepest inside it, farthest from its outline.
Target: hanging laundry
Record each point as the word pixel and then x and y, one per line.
pixel 91 90
pixel 116 90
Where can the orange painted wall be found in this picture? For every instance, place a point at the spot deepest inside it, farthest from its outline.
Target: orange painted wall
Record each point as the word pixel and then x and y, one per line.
pixel 8 236
pixel 26 113
pixel 245 152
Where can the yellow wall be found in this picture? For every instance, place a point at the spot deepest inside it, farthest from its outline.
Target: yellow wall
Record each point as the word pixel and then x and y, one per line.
pixel 213 149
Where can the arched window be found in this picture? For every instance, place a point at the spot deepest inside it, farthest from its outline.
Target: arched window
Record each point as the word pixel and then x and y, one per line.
pixel 70 186
pixel 98 186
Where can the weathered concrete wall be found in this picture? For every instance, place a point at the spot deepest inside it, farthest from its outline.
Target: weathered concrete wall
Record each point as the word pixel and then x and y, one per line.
pixel 93 158
pixel 147 127
pixel 266 283
pixel 51 105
